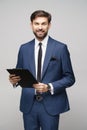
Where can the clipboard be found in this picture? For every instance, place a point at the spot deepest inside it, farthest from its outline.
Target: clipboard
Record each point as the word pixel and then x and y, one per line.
pixel 27 79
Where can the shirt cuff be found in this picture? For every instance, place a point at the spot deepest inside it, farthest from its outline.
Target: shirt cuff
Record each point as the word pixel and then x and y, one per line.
pixel 51 89
pixel 15 85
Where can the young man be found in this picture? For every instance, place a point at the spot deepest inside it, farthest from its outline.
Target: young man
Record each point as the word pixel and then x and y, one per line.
pixel 44 102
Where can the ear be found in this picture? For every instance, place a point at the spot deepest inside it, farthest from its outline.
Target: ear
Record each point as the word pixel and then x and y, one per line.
pixel 49 25
pixel 31 24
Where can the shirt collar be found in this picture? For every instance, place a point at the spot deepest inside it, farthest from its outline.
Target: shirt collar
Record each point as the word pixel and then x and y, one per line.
pixel 44 41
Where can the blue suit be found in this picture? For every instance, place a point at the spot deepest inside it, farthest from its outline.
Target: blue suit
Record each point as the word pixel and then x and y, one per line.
pixel 57 70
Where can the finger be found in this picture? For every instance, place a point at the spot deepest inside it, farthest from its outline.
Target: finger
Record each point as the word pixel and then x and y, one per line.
pixel 12 75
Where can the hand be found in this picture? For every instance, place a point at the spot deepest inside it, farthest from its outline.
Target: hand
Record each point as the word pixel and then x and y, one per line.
pixel 14 79
pixel 41 87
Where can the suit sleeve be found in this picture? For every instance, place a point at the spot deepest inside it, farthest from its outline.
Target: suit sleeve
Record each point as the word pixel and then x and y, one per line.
pixel 68 77
pixel 19 59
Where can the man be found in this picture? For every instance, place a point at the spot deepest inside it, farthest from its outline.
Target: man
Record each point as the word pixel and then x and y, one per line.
pixel 45 101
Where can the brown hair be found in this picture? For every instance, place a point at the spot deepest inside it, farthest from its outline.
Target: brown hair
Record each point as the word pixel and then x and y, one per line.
pixel 40 13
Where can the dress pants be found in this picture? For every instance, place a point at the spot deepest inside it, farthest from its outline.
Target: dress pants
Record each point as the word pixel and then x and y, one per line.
pixel 39 119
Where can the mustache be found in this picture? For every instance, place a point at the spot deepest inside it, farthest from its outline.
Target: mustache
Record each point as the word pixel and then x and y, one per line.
pixel 40 30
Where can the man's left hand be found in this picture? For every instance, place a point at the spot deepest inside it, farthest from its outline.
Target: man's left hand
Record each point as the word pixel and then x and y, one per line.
pixel 41 87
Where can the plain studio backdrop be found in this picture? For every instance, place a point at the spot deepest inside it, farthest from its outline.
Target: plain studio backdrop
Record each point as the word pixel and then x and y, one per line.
pixel 69 25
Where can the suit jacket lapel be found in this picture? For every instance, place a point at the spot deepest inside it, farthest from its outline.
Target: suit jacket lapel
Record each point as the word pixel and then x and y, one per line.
pixel 32 59
pixel 48 55
pixel 49 52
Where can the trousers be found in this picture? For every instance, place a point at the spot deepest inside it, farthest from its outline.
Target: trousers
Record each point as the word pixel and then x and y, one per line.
pixel 39 119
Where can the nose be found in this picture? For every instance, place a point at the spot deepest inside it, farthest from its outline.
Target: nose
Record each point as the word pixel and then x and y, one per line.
pixel 40 26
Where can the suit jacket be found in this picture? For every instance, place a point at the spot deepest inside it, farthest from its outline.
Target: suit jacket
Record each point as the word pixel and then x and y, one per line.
pixel 57 69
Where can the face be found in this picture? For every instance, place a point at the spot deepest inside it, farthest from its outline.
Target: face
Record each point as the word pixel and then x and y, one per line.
pixel 40 27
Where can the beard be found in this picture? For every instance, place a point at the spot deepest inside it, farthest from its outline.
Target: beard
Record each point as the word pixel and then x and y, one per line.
pixel 40 34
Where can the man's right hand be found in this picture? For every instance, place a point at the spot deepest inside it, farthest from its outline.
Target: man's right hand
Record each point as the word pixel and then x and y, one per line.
pixel 14 79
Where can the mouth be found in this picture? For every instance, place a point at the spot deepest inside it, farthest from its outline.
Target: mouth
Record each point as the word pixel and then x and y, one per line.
pixel 40 32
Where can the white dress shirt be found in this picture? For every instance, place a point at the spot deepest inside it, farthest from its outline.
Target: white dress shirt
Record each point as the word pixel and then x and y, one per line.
pixel 44 46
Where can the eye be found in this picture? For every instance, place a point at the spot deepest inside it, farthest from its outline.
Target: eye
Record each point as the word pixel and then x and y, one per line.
pixel 44 23
pixel 36 24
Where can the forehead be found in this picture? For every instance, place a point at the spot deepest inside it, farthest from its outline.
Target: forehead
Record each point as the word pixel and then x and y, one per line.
pixel 40 19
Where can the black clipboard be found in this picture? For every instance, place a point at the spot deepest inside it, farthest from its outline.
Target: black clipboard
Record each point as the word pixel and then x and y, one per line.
pixel 27 79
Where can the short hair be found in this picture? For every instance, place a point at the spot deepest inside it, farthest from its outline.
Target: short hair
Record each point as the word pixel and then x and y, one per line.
pixel 40 13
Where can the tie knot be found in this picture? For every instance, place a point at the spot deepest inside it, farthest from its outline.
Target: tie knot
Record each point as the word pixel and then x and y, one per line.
pixel 40 44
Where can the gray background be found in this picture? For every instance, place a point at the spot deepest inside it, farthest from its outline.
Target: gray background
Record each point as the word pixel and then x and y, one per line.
pixel 69 25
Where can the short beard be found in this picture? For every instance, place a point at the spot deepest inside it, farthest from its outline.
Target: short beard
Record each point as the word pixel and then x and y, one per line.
pixel 40 38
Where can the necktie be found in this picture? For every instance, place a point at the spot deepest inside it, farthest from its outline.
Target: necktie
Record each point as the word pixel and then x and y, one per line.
pixel 39 63
pixel 38 95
